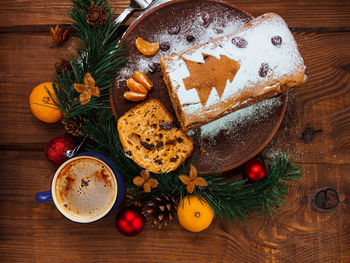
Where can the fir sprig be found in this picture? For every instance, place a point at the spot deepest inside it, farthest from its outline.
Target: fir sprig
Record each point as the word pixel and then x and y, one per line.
pixel 102 55
pixel 232 199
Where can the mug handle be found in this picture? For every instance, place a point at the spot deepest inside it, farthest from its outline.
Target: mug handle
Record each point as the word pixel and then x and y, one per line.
pixel 42 197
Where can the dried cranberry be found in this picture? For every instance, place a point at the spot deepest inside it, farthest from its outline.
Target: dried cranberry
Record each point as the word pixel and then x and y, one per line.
pixel 174 29
pixel 166 126
pixel 164 46
pixel 276 40
pixel 206 19
pixel 239 42
pixel 264 68
pixel 154 67
pixel 190 38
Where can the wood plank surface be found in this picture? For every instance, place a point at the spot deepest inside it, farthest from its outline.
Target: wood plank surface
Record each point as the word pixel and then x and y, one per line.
pixel 32 232
pixel 323 14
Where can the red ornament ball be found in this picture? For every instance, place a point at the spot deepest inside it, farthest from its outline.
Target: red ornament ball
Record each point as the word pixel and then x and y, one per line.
pixel 56 149
pixel 255 169
pixel 130 221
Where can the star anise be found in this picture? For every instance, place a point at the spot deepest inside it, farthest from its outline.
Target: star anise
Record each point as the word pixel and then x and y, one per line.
pixel 87 89
pixel 59 36
pixel 192 180
pixel 145 181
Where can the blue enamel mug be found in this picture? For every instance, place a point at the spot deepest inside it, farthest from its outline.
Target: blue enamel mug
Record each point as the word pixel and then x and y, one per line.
pixel 85 188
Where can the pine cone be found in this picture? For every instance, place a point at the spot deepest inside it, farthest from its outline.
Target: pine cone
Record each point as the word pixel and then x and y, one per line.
pixel 73 125
pixel 96 16
pixel 160 211
pixel 63 65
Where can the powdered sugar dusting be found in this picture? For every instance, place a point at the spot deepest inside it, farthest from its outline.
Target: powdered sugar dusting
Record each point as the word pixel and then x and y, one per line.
pixel 283 63
pixel 192 25
pixel 230 123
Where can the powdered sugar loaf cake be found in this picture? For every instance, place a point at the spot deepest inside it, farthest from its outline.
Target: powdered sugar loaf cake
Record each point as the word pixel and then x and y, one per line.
pixel 213 79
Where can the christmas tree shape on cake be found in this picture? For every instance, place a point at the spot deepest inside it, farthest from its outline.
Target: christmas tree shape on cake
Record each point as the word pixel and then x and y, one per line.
pixel 205 76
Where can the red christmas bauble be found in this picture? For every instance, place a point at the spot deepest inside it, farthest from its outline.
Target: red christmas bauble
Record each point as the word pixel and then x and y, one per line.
pixel 255 169
pixel 130 221
pixel 56 149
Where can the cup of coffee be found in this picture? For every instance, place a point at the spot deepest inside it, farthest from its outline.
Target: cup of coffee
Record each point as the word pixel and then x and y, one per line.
pixel 85 188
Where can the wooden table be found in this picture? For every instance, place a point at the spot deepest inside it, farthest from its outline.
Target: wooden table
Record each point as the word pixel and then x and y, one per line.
pixel 32 232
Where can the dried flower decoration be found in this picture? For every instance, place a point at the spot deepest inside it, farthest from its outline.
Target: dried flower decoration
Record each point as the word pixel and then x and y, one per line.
pixel 87 89
pixel 145 181
pixel 192 180
pixel 59 36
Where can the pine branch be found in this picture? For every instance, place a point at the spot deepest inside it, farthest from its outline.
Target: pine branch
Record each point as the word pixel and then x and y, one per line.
pixel 102 55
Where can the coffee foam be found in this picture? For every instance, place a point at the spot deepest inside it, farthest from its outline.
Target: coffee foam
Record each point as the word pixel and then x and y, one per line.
pixel 85 189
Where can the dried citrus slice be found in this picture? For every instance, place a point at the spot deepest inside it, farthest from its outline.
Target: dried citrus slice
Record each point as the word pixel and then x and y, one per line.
pixel 145 47
pixel 134 96
pixel 142 78
pixel 135 86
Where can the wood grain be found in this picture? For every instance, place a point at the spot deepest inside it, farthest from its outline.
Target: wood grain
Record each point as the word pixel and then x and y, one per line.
pixel 39 233
pixel 322 14
pixel 32 232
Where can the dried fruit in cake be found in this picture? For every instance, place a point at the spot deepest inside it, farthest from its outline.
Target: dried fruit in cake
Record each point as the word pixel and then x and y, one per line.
pixel 135 86
pixel 145 47
pixel 134 96
pixel 153 148
pixel 142 79
pixel 213 79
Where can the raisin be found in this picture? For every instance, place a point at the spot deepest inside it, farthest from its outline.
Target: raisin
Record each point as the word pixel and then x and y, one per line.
pixel 190 38
pixel 174 29
pixel 174 159
pixel 239 42
pixel 166 126
pixel 154 67
pixel 128 153
pixel 264 68
pixel 206 19
pixel 171 142
pixel 159 145
pixel 148 146
pixel 276 40
pixel 205 57
pixel 158 162
pixel 179 139
pixel 164 46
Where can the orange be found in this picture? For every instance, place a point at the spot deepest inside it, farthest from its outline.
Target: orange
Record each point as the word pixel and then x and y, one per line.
pixel 142 79
pixel 145 47
pixel 134 96
pixel 135 86
pixel 194 214
pixel 42 105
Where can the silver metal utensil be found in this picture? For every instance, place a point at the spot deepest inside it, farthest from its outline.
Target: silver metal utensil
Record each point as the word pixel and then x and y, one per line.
pixel 134 5
pixel 72 153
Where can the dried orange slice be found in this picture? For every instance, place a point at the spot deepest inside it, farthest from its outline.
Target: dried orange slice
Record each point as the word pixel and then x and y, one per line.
pixel 134 96
pixel 142 78
pixel 145 47
pixel 135 86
